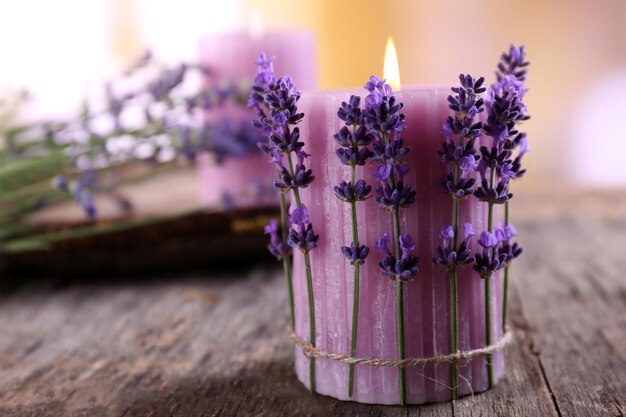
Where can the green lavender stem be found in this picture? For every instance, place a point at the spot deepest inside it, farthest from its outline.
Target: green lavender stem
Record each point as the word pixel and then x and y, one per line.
pixel 454 317
pixel 286 260
pixel 355 302
pixel 399 311
pixel 505 294
pixel 309 285
pixel 488 290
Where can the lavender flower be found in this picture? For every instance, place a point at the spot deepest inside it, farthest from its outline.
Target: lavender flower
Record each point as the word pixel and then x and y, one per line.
pixel 355 254
pixel 393 197
pixel 459 154
pixel 383 119
pixel 277 246
pixel 301 235
pixel 449 257
pixel 490 260
pixel 349 192
pixel 382 112
pixel 514 63
pixel 510 250
pixel 495 195
pixel 402 269
pixel 350 112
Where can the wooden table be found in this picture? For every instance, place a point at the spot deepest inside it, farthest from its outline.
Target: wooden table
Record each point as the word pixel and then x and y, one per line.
pixel 214 343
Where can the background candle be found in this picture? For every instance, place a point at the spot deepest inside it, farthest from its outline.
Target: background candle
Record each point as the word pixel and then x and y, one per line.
pixel 427 320
pixel 232 57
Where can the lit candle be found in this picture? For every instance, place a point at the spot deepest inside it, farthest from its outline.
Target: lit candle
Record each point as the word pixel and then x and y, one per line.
pixel 231 57
pixel 426 298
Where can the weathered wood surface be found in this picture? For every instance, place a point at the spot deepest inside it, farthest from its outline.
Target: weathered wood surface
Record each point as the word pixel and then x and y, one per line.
pixel 214 344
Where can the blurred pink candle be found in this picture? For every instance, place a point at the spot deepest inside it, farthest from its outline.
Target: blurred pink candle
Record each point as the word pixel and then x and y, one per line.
pixel 426 302
pixel 232 57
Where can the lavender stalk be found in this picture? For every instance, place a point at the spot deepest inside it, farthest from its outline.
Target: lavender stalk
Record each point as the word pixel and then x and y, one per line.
pixel 353 140
pixel 459 155
pixel 505 110
pixel 512 64
pixel 384 121
pixel 275 101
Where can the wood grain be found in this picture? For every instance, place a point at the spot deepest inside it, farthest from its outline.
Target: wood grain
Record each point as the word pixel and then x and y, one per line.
pixel 214 344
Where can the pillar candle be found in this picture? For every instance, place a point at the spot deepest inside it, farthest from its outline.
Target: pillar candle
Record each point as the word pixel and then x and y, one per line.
pixel 232 57
pixel 426 302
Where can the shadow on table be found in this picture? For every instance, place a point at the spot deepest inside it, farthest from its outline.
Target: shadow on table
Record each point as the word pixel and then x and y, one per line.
pixel 262 390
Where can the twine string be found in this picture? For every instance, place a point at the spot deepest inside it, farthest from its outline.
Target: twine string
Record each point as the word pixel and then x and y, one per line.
pixel 311 351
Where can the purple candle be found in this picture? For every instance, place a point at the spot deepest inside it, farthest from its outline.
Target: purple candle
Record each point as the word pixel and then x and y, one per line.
pixel 231 57
pixel 426 298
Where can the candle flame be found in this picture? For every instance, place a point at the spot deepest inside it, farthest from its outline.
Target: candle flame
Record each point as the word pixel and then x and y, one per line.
pixel 391 69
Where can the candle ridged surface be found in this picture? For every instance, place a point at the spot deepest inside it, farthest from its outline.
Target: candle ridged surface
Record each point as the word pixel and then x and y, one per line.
pixel 427 300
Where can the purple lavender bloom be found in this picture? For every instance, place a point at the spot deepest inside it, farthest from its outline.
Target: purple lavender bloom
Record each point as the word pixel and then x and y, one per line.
pixel 447 234
pixel 390 153
pixel 301 235
pixel 449 257
pixel 392 197
pixel 402 269
pixel 491 259
pixel 348 192
pixel 460 189
pixel 504 234
pixel 353 155
pixel 355 254
pixel 514 63
pixel 277 247
pixel 275 101
pixel 382 111
pixel 451 153
pixel 494 157
pixel 487 240
pixel 498 195
pixel 301 178
pixel 382 244
pixel 406 245
pixel 262 82
pixel 359 136
pixel 406 268
pixel 460 154
pixel 378 91
pixel 286 141
pixel 466 105
pixel 383 118
pixel 350 112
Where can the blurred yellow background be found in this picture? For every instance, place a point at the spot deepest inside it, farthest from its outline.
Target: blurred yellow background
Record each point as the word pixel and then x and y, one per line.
pixel 577 49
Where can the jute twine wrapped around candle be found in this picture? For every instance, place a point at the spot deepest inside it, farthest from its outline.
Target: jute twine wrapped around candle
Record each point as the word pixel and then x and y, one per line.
pixel 311 351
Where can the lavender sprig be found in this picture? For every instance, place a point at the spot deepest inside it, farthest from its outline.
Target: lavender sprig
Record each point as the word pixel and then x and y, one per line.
pixel 275 102
pixel 505 111
pixel 263 81
pixel 384 121
pixel 512 65
pixel 353 140
pixel 458 153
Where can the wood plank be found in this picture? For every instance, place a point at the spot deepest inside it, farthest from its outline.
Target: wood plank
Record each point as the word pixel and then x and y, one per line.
pixel 574 292
pixel 186 347
pixel 523 392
